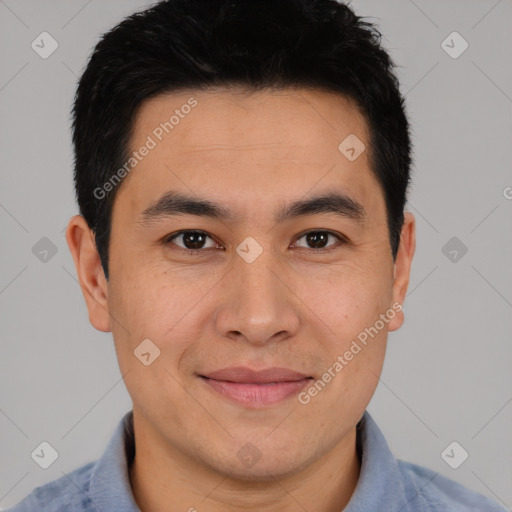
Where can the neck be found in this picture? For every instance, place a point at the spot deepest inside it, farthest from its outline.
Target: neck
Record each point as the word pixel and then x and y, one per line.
pixel 164 479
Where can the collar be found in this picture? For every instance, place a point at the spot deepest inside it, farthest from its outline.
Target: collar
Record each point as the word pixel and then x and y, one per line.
pixel 110 480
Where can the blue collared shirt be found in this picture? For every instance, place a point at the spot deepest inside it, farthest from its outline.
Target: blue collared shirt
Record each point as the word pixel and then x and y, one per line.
pixel 385 484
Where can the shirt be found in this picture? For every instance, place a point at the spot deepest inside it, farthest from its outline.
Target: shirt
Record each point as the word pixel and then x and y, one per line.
pixel 385 484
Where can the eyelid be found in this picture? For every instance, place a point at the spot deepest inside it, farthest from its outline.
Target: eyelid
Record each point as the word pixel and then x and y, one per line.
pixel 341 239
pixel 169 238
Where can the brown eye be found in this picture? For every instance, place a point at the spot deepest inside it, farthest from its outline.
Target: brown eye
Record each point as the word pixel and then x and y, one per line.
pixel 319 239
pixel 192 241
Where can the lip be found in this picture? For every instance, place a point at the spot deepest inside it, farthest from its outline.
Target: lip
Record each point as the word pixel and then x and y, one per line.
pixel 256 388
pixel 242 374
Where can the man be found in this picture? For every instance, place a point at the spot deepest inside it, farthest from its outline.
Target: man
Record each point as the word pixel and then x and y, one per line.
pixel 241 169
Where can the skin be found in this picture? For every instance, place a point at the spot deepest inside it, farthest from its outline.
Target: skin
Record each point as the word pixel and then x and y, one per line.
pixel 296 306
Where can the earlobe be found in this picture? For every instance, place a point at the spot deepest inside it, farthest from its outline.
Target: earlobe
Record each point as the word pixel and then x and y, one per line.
pixel 90 274
pixel 402 268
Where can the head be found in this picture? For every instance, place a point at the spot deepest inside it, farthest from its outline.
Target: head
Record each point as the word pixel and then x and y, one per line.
pixel 270 139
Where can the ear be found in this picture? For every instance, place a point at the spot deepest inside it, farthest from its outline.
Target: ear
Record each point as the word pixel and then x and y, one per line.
pixel 403 263
pixel 91 277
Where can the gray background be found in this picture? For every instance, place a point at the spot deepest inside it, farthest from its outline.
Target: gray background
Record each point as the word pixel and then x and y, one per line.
pixel 447 375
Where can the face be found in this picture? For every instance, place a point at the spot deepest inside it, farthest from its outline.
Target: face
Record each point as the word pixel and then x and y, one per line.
pixel 310 289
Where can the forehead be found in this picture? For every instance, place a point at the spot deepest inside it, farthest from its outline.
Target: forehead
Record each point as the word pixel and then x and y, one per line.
pixel 230 118
pixel 235 146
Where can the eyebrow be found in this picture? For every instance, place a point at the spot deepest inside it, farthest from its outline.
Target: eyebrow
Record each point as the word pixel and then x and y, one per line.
pixel 174 203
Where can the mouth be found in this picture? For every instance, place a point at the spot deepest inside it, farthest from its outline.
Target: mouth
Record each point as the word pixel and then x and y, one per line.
pixel 256 389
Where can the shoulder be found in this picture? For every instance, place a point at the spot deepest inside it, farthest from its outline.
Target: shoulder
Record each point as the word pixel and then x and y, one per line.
pixel 69 492
pixel 438 493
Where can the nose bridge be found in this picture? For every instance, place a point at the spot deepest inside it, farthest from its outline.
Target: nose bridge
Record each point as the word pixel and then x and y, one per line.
pixel 258 283
pixel 259 305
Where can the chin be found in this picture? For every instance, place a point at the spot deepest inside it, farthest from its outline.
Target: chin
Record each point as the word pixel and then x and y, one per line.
pixel 252 465
pixel 263 473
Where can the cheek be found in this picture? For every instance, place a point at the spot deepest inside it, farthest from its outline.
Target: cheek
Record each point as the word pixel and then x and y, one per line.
pixel 348 299
pixel 160 306
pixel 149 300
pixel 353 360
pixel 136 303
pixel 148 307
pixel 348 306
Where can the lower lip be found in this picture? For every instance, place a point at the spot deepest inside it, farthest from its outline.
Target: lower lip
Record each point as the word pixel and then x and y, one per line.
pixel 257 395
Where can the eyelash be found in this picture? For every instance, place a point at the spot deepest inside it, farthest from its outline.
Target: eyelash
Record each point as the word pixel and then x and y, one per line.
pixel 196 252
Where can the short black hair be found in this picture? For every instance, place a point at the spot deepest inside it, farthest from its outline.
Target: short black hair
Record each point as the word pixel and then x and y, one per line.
pixel 178 45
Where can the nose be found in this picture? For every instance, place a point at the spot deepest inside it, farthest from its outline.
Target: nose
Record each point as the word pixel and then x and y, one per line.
pixel 258 304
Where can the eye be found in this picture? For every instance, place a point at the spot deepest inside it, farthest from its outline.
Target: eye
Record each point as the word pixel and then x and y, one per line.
pixel 193 241
pixel 318 239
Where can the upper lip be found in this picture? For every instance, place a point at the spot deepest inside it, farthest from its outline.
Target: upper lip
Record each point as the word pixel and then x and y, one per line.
pixel 246 375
